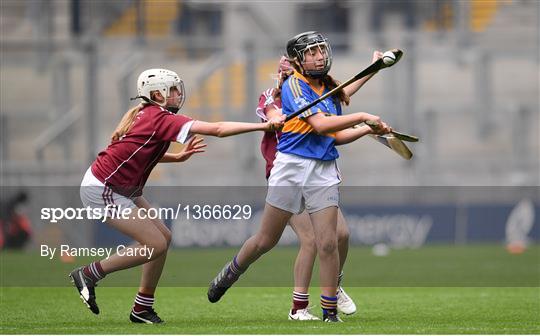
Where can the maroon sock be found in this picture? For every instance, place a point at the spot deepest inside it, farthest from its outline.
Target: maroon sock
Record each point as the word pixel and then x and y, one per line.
pixel 94 271
pixel 300 301
pixel 143 302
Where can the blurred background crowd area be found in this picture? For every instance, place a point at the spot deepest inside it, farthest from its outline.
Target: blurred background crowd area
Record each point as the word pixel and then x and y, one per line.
pixel 468 84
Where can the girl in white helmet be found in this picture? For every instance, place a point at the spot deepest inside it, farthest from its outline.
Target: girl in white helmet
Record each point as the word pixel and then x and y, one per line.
pixel 115 181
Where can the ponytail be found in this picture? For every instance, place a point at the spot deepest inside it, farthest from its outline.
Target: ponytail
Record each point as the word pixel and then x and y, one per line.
pixel 282 79
pixel 126 122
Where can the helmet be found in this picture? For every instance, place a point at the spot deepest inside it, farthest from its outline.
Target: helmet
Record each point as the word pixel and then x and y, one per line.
pixel 284 65
pixel 297 46
pixel 161 80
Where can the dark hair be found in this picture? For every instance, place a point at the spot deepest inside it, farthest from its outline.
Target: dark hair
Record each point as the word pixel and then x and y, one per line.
pixel 277 91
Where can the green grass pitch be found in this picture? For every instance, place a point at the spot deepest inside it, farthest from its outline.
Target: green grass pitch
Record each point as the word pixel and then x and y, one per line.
pixel 476 289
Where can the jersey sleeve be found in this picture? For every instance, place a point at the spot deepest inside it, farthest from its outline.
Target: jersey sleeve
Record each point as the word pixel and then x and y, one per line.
pixel 172 127
pixel 266 100
pixel 298 95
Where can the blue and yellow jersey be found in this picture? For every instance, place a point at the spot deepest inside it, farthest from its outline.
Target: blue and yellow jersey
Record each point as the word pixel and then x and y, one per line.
pixel 298 137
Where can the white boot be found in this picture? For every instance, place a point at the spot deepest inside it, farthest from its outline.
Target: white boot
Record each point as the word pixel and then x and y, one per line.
pixel 302 315
pixel 344 302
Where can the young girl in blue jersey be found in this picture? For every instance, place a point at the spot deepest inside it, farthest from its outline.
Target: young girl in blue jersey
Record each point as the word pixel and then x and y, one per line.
pixel 305 173
pixel 269 107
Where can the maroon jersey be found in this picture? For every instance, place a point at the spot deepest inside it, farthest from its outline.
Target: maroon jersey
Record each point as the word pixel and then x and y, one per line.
pixel 270 139
pixel 126 163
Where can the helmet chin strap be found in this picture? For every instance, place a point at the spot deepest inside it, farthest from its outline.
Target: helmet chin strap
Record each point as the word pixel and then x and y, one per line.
pixel 306 72
pixel 317 76
pixel 173 109
pixel 177 105
pixel 140 97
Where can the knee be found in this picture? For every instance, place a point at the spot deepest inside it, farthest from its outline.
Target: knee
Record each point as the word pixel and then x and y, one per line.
pixel 168 237
pixel 343 237
pixel 159 245
pixel 264 244
pixel 308 245
pixel 327 247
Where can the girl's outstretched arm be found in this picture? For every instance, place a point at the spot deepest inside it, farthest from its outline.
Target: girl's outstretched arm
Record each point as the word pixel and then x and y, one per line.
pixel 351 89
pixel 227 128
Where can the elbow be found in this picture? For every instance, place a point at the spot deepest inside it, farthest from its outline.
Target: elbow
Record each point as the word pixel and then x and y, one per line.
pixel 340 139
pixel 320 128
pixel 220 130
pixel 221 133
pixel 324 126
pixel 323 129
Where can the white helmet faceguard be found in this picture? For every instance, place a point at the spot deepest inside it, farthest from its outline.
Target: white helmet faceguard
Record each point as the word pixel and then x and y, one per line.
pixel 161 80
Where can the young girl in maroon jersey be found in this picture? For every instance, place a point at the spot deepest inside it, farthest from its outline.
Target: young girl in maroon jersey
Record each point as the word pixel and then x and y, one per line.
pixel 116 178
pixel 269 107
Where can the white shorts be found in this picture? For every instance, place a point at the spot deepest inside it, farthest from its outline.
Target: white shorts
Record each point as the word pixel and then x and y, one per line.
pixel 297 183
pixel 95 194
